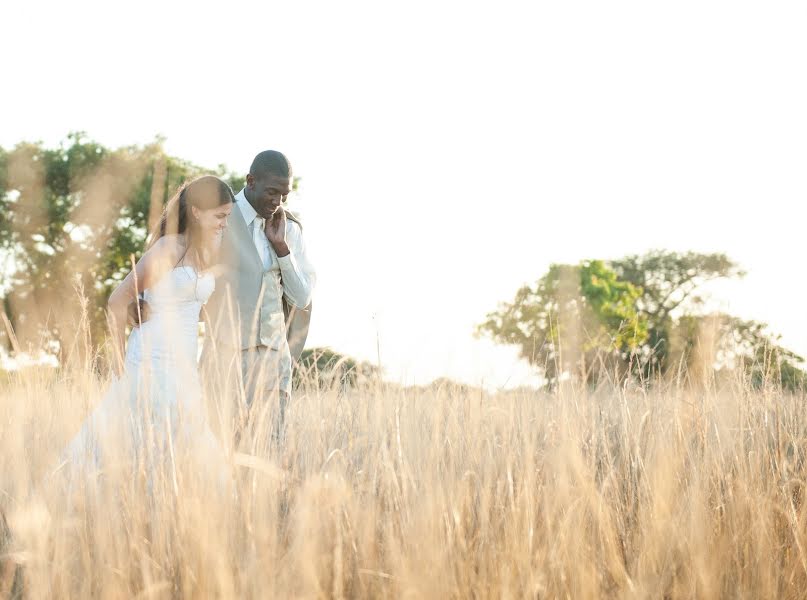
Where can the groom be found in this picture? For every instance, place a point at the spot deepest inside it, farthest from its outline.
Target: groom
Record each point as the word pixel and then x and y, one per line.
pixel 257 319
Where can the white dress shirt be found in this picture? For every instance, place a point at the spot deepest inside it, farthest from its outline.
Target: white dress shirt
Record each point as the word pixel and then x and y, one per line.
pixel 296 272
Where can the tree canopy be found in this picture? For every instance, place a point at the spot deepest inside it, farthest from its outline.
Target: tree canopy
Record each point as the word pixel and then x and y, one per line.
pixel 326 368
pixel 639 316
pixel 71 219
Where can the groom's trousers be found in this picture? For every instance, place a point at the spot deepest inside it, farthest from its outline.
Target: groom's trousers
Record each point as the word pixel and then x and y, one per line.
pixel 251 390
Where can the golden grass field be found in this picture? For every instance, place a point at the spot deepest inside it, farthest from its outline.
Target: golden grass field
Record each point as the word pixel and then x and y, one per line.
pixel 385 492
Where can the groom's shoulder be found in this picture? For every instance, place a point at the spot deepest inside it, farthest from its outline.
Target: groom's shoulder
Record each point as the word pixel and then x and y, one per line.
pixel 293 220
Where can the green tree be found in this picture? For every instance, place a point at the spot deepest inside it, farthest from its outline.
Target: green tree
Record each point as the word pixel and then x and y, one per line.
pixel 578 320
pixel 670 284
pixel 640 316
pixel 71 218
pixel 325 368
pixel 707 346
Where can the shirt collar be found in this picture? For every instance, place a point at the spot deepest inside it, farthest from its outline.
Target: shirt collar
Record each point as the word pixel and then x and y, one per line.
pixel 246 208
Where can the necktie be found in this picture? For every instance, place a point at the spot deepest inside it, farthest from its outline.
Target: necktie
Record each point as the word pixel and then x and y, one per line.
pixel 259 238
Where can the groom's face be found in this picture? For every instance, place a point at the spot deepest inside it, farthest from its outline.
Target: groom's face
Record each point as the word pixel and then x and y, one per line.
pixel 268 193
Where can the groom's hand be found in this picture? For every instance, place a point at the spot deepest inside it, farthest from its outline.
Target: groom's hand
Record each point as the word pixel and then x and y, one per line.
pixel 275 230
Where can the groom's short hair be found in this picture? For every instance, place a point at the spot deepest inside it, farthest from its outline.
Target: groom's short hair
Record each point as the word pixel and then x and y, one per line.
pixel 270 162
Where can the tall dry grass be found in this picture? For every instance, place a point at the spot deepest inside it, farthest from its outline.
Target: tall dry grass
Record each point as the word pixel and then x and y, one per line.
pixel 429 493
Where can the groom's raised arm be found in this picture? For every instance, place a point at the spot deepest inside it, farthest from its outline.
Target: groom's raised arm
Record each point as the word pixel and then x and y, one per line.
pixel 296 270
pixel 298 275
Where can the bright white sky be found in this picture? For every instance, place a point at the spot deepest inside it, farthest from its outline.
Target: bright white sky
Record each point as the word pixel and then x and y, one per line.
pixel 451 151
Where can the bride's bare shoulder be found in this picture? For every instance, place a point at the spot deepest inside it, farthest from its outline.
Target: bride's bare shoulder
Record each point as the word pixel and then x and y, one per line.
pixel 168 247
pixel 165 252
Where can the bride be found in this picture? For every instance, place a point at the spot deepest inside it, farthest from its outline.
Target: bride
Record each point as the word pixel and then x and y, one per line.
pixel 154 407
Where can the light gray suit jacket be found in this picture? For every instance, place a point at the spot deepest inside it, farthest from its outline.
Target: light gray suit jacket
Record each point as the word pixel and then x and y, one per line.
pixel 249 308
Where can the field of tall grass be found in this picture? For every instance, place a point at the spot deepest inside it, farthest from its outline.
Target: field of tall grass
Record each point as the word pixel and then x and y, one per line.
pixel 387 492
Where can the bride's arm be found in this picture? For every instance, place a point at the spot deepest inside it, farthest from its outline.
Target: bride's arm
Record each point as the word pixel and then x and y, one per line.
pixel 155 263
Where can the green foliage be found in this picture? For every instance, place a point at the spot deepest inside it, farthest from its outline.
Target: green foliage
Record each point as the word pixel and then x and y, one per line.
pixel 759 354
pixel 71 219
pixel 614 303
pixel 325 368
pixel 639 316
pixel 578 320
pixel 234 179
pixel 670 282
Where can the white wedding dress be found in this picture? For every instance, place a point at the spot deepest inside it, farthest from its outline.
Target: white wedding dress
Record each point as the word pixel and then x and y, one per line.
pixel 154 412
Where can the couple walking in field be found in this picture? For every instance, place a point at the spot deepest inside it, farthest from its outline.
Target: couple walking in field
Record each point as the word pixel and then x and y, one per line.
pixel 238 262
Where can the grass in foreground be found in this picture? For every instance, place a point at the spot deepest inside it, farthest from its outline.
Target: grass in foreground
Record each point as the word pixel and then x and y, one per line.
pixel 386 492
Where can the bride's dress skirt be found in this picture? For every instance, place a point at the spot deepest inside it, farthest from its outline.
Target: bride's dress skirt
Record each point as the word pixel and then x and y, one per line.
pixel 152 419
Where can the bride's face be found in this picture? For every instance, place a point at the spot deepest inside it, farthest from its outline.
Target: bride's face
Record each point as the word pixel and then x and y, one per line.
pixel 213 221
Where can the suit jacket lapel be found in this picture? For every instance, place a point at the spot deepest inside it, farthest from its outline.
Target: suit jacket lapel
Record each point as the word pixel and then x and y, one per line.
pixel 242 240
